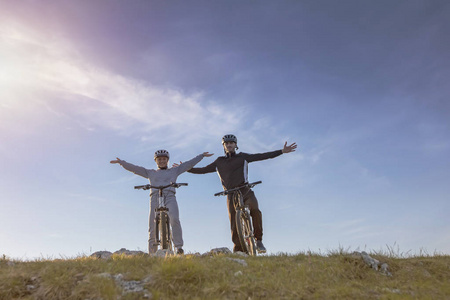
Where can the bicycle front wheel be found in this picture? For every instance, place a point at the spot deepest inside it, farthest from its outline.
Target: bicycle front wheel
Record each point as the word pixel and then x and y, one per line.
pixel 164 229
pixel 245 232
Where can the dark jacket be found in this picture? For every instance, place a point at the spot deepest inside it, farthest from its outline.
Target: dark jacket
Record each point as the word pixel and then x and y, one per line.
pixel 233 169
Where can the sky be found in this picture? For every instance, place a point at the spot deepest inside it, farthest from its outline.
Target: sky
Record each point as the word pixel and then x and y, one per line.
pixel 361 86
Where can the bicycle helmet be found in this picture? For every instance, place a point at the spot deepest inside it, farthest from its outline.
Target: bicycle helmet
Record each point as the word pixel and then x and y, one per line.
pixel 162 152
pixel 229 138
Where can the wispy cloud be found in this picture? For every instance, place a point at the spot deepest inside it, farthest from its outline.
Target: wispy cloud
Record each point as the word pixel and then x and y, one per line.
pixel 65 84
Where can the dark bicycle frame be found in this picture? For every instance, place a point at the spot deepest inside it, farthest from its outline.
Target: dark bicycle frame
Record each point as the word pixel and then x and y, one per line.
pixel 242 211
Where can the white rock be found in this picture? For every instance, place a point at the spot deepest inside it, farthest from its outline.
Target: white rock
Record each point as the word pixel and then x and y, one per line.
pixel 374 263
pixel 129 252
pixel 223 250
pixel 163 253
pixel 239 261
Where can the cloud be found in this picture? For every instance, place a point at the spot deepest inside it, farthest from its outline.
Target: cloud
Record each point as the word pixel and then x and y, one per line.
pixel 50 75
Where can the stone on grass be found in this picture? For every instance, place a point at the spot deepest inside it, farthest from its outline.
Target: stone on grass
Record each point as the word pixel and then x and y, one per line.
pixel 129 252
pixel 374 263
pixel 215 251
pixel 163 253
pixel 102 254
pixel 239 261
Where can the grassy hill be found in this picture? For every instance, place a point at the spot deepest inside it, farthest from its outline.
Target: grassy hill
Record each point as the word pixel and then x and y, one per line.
pixel 301 276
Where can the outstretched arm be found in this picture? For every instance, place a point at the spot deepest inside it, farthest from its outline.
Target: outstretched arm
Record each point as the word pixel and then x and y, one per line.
pixel 208 169
pixel 183 167
pixel 273 154
pixel 205 154
pixel 141 171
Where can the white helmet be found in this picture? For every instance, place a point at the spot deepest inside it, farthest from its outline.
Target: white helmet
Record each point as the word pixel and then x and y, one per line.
pixel 162 152
pixel 229 138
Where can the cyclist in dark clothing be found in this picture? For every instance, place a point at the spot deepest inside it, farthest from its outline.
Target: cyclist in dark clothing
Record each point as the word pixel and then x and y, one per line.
pixel 233 169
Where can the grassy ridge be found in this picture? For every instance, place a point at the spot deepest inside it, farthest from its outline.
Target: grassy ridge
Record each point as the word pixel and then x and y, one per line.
pixel 301 276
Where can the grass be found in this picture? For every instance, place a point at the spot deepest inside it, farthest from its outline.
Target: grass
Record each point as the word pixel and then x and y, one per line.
pixel 336 275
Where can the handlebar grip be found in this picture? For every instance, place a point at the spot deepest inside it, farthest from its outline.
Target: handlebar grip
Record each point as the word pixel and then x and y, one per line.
pixel 144 187
pixel 184 184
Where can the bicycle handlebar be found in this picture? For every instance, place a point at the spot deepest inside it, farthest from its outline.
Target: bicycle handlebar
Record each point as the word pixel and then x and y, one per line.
pixel 148 186
pixel 226 192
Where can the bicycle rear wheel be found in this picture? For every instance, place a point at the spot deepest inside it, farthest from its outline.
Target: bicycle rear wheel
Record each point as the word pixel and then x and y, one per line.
pixel 245 232
pixel 164 229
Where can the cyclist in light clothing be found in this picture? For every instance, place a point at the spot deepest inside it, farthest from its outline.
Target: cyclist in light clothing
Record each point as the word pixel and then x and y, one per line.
pixel 159 177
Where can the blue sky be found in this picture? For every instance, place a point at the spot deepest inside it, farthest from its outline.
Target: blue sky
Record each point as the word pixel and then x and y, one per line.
pixel 361 86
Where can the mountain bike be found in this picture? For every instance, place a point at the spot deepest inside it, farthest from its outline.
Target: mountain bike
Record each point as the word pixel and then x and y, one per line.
pixel 163 230
pixel 244 224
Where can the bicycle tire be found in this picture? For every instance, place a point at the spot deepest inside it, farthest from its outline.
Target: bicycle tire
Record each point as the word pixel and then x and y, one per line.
pixel 250 240
pixel 164 230
pixel 169 234
pixel 245 232
pixel 157 230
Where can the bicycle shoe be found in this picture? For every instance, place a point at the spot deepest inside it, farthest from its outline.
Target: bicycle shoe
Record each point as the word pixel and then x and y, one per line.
pixel 180 251
pixel 260 247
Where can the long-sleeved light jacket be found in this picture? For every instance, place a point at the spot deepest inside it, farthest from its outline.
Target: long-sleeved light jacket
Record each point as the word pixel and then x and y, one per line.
pixel 160 177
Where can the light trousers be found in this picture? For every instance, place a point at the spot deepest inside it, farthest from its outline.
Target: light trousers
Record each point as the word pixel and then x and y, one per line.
pixel 174 216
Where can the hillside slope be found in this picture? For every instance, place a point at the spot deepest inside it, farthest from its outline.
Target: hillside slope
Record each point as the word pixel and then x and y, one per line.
pixel 226 276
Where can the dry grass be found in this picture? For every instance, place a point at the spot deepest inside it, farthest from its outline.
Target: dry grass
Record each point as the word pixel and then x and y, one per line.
pixel 336 275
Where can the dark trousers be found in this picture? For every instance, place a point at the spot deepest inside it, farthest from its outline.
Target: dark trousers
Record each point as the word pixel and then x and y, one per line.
pixel 252 202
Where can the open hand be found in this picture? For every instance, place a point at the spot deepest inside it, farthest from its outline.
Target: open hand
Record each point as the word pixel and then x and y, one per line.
pixel 290 148
pixel 116 161
pixel 176 165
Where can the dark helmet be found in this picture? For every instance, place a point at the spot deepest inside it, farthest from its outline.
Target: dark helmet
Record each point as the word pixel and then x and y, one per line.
pixel 229 138
pixel 162 152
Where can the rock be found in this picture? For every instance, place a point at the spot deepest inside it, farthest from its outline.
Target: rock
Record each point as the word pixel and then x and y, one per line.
pixel 130 286
pixel 370 261
pixel 374 263
pixel 129 252
pixel 240 253
pixel 122 251
pixel 102 254
pixel 385 269
pixel 163 253
pixel 30 288
pixel 239 261
pixel 133 286
pixel 104 275
pixel 215 251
